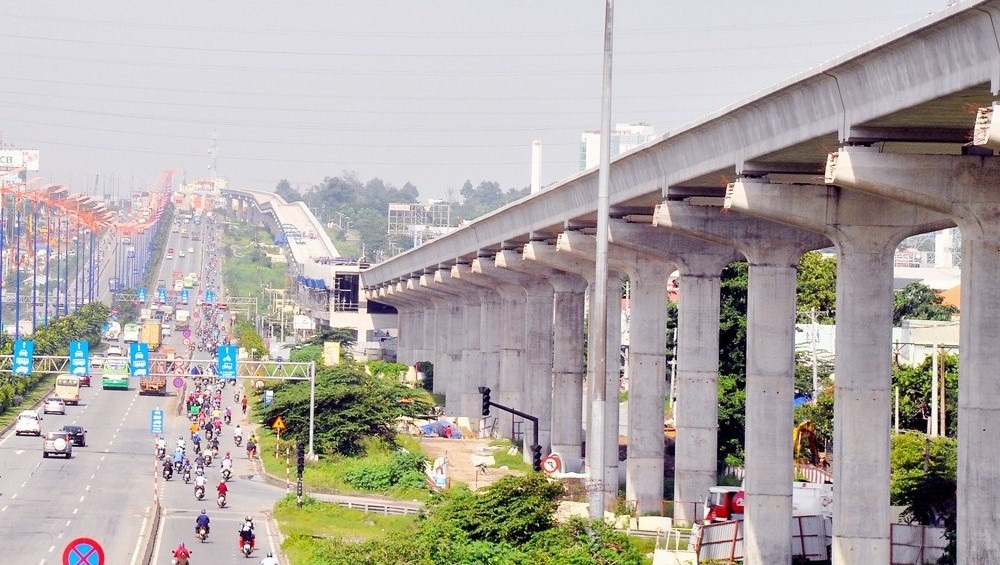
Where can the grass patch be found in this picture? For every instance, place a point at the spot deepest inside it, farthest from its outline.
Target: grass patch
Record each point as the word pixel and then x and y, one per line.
pixel 329 520
pixel 513 462
pixel 327 474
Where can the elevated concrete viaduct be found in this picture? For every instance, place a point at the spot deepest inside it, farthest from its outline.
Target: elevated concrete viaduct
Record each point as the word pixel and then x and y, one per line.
pixel 758 180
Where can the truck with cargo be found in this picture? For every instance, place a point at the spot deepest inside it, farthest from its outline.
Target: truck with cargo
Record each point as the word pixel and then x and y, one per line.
pixel 156 381
pixel 151 334
pixel 182 318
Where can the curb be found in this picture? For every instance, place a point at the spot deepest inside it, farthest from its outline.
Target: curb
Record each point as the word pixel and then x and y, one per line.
pixel 150 533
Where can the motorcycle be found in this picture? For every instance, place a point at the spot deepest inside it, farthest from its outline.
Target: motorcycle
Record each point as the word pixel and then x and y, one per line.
pixel 246 546
pixel 221 501
pixel 208 457
pixel 228 418
pixel 187 475
pixel 209 433
pixel 251 450
pixel 202 534
pixel 199 492
pixel 238 440
pixel 161 452
pixel 168 471
pixel 226 473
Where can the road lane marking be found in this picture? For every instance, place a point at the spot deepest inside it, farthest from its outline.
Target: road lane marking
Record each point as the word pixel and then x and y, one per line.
pixel 75 510
pixel 140 538
pixel 83 497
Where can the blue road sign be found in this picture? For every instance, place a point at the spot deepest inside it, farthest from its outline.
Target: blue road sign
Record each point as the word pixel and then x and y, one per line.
pixel 138 353
pixel 79 357
pixel 210 296
pixel 227 362
pixel 156 421
pixel 161 294
pixel 185 296
pixel 141 294
pixel 83 551
pixel 24 351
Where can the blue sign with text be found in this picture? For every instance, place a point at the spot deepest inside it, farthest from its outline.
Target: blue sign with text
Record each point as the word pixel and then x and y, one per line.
pixel 210 296
pixel 141 294
pixel 24 351
pixel 161 294
pixel 138 358
pixel 79 357
pixel 227 362
pixel 185 296
pixel 156 421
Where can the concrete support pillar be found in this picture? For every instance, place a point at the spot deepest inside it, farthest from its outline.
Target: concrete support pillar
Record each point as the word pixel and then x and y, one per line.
pixel 490 322
pixel 582 247
pixel 866 230
pixel 550 256
pixel 964 188
pixel 417 338
pixel 647 385
pixel 449 343
pixel 466 399
pixel 772 251
pixel 568 355
pixel 513 333
pixel 560 348
pixel 436 324
pixel 404 322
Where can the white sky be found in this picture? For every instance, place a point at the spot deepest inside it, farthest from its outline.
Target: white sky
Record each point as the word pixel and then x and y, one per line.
pixel 428 92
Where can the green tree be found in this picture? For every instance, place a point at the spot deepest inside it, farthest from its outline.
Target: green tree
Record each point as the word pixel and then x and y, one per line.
pixel 918 301
pixel 817 285
pixel 732 362
pixel 285 190
pixel 914 385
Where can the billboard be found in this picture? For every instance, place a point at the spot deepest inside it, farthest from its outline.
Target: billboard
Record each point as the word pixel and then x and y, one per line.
pixel 19 158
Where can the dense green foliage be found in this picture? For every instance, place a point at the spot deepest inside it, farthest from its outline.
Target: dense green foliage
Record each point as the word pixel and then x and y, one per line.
pixel 510 522
pixel 351 406
pixel 915 393
pixel 817 285
pixel 917 301
pixel 52 339
pixel 924 479
pixel 403 470
pixel 732 363
pixel 248 338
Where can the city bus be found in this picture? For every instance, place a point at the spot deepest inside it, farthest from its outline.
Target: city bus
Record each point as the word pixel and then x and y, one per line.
pixel 115 373
pixel 68 388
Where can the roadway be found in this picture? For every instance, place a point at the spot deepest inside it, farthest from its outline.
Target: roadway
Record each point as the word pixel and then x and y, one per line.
pixel 105 491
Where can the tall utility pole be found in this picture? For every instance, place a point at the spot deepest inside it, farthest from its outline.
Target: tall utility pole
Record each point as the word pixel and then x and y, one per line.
pixel 595 433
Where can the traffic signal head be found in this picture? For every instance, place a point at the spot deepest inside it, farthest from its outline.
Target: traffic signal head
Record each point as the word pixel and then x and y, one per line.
pixel 486 400
pixel 536 457
pixel 301 460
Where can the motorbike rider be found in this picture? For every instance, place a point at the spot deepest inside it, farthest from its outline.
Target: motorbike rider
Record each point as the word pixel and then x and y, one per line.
pixel 196 440
pixel 246 532
pixel 222 489
pixel 269 560
pixel 182 554
pixel 215 443
pixel 238 433
pixel 161 446
pixel 193 428
pixel 200 481
pixel 251 449
pixel 178 458
pixel 243 403
pixel 202 521
pixel 168 470
pixel 181 444
pixel 228 414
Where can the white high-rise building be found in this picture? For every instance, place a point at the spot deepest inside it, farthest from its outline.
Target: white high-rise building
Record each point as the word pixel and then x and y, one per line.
pixel 624 138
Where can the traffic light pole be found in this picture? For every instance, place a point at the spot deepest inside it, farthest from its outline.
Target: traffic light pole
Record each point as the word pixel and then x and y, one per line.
pixel 536 449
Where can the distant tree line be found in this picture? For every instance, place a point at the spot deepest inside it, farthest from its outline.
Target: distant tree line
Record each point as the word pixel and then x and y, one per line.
pixel 362 208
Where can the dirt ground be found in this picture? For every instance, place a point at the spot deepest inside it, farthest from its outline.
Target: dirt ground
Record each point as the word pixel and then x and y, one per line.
pixel 459 454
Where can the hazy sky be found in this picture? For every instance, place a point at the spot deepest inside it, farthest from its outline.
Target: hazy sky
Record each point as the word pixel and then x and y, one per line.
pixel 427 92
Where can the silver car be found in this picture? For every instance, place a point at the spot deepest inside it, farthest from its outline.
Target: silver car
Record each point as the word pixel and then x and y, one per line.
pixel 57 443
pixel 54 405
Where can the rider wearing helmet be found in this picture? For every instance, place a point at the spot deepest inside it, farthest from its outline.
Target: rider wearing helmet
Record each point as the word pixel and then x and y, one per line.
pixel 182 554
pixel 223 488
pixel 269 560
pixel 246 531
pixel 202 520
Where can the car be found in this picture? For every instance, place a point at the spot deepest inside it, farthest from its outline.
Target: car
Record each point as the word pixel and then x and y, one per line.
pixel 115 350
pixel 77 434
pixel 28 423
pixel 54 405
pixel 84 380
pixel 166 330
pixel 180 253
pixel 96 361
pixel 57 443
pixel 190 249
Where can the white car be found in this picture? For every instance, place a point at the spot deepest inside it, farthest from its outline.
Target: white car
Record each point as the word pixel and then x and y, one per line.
pixel 166 330
pixel 28 423
pixel 114 351
pixel 190 249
